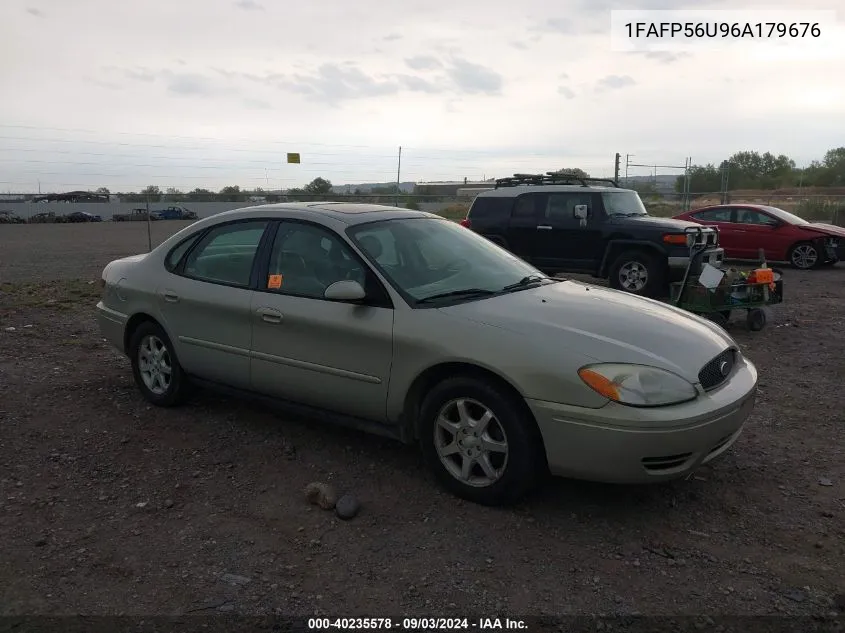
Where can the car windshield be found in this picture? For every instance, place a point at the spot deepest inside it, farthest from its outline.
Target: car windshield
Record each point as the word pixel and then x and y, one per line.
pixel 623 203
pixel 784 216
pixel 428 260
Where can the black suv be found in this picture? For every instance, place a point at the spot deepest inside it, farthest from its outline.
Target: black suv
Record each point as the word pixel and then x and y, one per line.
pixel 560 223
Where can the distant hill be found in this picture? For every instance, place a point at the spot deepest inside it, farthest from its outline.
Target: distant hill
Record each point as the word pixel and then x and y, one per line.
pixel 664 183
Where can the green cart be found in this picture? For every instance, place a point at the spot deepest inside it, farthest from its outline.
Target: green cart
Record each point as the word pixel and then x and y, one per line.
pixel 718 303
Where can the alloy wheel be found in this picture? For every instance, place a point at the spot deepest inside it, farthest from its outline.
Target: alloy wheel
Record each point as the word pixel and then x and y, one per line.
pixel 155 365
pixel 471 442
pixel 633 276
pixel 804 256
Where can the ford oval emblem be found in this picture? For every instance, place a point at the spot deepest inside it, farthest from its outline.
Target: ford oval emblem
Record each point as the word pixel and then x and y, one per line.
pixel 724 368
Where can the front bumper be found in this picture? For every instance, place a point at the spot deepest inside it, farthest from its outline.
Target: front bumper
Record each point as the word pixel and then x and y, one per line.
pixel 619 444
pixel 112 325
pixel 678 264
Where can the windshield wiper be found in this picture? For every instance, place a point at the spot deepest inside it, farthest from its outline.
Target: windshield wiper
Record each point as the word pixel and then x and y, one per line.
pixel 463 292
pixel 525 282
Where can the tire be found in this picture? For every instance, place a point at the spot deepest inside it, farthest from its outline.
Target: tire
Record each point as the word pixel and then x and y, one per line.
pixel 756 319
pixel 804 256
pixel 640 273
pixel 518 470
pixel 149 335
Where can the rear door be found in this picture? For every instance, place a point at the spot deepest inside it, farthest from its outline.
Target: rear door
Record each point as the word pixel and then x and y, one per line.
pixel 205 302
pixel 562 243
pixel 723 219
pixel 489 216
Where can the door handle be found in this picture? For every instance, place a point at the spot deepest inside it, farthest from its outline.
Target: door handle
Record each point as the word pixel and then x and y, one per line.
pixel 170 296
pixel 544 227
pixel 270 315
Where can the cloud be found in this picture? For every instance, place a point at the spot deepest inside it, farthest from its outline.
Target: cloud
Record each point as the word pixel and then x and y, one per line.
pixel 189 84
pixel 614 82
pixel 423 62
pixel 257 104
pixel 392 37
pixel 139 74
pixel 475 79
pixel 36 12
pixel 520 45
pixel 664 57
pixel 418 84
pixel 562 26
pixel 249 5
pixel 566 92
pixel 336 82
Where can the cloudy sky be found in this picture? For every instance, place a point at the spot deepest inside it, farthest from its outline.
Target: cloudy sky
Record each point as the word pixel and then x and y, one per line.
pixel 207 93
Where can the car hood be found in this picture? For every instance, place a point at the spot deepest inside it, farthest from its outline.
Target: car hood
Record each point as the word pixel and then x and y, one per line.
pixel 606 325
pixel 670 224
pixel 828 229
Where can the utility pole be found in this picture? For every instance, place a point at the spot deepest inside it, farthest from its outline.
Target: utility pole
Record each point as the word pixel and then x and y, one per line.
pixel 616 168
pixel 398 174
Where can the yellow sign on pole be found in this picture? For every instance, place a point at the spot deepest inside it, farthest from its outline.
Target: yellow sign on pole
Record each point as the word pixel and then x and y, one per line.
pixel 293 158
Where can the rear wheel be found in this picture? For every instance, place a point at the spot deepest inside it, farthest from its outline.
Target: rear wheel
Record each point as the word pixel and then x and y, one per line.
pixel 156 369
pixel 479 442
pixel 640 273
pixel 804 256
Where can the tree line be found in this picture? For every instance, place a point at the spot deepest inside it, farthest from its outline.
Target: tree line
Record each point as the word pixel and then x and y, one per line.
pixel 753 170
pixel 743 170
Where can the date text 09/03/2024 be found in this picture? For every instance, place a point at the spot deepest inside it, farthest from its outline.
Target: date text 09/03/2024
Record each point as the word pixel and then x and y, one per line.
pixel 416 624
pixel 698 30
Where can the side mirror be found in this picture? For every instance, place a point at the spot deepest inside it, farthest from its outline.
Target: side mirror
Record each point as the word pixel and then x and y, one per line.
pixel 346 290
pixel 580 212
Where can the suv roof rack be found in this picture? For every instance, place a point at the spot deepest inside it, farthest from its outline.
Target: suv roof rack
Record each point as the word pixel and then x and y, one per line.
pixel 550 178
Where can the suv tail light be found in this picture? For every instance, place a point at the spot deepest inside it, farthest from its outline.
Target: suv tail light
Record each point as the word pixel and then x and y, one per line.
pixel 466 223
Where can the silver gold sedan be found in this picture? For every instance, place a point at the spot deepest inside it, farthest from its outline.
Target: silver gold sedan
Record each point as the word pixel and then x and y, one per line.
pixel 407 325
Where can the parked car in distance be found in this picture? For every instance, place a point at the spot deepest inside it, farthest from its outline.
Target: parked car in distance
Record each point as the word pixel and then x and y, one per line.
pixel 10 217
pixel 174 213
pixel 744 229
pixel 82 216
pixel 405 324
pixel 47 217
pixel 565 224
pixel 136 215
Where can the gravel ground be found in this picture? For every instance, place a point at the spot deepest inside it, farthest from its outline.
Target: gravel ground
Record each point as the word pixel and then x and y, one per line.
pixel 109 506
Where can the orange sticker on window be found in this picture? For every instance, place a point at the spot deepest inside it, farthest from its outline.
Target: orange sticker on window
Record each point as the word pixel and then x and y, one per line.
pixel 275 281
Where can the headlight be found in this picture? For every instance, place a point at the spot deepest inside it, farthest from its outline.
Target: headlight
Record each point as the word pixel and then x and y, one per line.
pixel 637 385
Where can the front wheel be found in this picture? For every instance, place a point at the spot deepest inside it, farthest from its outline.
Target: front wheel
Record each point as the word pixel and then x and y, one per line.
pixel 156 369
pixel 480 443
pixel 640 273
pixel 804 256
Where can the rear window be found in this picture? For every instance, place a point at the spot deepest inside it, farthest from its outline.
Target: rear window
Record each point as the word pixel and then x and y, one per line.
pixel 491 208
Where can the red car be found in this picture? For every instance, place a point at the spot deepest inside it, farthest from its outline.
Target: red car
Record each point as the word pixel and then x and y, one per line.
pixel 746 228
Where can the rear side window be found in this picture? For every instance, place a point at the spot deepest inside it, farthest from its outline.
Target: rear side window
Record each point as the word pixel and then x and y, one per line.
pixel 490 208
pixel 179 251
pixel 713 215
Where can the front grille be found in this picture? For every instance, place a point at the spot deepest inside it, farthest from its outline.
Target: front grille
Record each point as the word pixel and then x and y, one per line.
pixel 717 370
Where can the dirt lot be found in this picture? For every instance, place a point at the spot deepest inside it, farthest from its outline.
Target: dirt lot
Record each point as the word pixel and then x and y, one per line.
pixel 109 506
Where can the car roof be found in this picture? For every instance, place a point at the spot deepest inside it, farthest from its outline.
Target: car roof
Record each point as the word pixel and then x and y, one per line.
pixel 507 192
pixel 744 205
pixel 346 212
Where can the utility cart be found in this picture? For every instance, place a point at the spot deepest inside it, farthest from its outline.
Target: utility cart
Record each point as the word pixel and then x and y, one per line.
pixel 716 293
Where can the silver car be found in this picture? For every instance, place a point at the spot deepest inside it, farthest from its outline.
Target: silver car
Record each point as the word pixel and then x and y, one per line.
pixel 407 325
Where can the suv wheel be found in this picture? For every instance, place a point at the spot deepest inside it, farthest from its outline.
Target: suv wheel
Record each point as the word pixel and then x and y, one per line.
pixel 638 272
pixel 481 445
pixel 156 369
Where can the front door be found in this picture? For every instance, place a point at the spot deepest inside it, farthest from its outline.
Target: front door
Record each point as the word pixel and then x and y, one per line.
pixel 205 303
pixel 306 349
pixel 562 242
pixel 757 230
